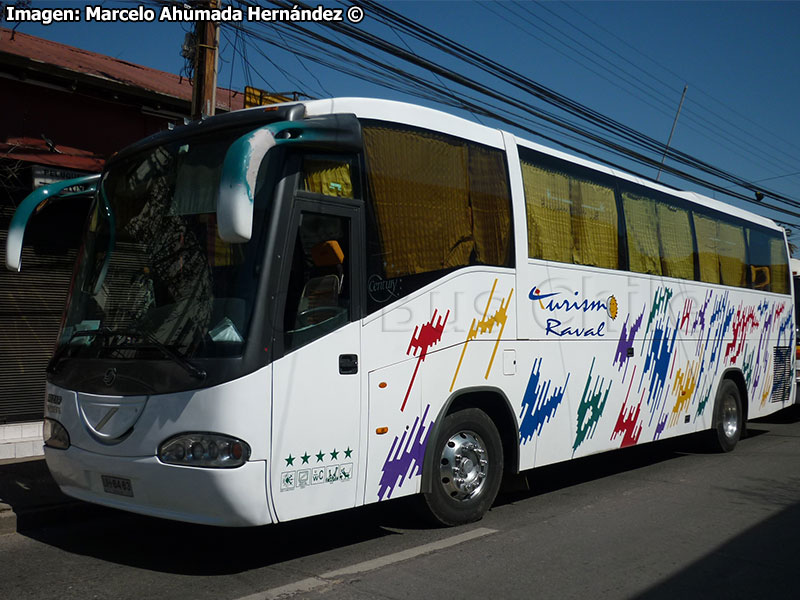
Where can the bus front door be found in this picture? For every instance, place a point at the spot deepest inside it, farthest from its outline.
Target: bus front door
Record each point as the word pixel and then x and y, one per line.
pixel 316 386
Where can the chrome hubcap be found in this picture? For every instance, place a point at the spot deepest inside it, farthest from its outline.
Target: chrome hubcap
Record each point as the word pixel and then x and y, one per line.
pixel 463 466
pixel 730 417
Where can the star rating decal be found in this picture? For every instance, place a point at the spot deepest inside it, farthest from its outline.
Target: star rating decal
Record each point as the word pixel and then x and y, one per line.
pixel 305 458
pixel 330 471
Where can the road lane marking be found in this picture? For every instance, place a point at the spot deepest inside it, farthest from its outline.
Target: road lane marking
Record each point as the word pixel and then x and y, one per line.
pixel 377 563
pixel 326 579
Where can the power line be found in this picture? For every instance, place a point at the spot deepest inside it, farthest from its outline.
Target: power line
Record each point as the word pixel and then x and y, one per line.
pixel 729 140
pixel 401 78
pixel 543 93
pixel 736 125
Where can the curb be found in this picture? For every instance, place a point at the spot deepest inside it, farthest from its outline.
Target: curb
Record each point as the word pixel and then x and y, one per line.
pixel 8 519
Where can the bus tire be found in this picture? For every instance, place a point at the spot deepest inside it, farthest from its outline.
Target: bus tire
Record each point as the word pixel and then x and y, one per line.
pixel 728 418
pixel 468 458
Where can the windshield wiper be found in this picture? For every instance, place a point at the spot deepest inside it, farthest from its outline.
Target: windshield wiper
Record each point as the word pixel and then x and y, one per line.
pixel 106 332
pixel 52 366
pixel 163 348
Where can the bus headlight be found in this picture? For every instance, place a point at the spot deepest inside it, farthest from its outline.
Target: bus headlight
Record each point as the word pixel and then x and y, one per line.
pixel 204 450
pixel 55 435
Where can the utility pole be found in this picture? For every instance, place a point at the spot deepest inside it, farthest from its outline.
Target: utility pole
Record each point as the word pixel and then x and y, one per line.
pixel 675 122
pixel 204 94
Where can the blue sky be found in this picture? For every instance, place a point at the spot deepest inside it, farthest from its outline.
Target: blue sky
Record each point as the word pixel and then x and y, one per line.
pixel 627 60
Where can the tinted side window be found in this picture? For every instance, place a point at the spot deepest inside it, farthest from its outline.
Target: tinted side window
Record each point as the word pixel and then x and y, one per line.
pixel 330 176
pixel 722 251
pixel 780 265
pixel 436 203
pixel 769 265
pixel 570 218
pixel 641 225
pixel 659 237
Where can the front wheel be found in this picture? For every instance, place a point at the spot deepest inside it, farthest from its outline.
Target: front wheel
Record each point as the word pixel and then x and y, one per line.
pixel 468 459
pixel 728 418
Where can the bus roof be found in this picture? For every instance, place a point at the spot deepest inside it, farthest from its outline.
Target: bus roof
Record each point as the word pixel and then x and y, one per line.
pixel 429 118
pixel 423 117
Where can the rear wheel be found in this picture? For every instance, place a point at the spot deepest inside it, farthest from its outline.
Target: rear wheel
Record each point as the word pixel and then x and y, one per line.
pixel 728 417
pixel 468 463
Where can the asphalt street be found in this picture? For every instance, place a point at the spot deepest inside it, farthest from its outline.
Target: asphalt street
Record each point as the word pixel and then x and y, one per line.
pixel 663 520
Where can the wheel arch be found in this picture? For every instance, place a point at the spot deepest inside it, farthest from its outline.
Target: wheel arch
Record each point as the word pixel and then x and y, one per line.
pixel 737 377
pixel 497 407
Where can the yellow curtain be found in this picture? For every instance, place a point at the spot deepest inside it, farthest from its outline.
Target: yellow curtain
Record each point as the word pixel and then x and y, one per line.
pixel 706 234
pixel 489 194
pixel 675 238
pixel 548 206
pixel 732 254
pixel 328 177
pixel 418 185
pixel 594 224
pixel 642 226
pixel 780 266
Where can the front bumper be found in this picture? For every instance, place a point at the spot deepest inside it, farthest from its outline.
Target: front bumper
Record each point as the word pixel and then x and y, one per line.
pixel 224 497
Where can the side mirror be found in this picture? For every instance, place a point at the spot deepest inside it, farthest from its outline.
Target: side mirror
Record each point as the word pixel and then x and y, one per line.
pixel 243 159
pixel 237 184
pixel 35 202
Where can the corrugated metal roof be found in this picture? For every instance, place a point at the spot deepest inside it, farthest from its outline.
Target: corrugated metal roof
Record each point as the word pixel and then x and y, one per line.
pixel 107 68
pixel 38 151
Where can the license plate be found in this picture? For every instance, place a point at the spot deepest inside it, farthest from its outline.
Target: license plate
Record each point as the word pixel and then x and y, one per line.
pixel 117 485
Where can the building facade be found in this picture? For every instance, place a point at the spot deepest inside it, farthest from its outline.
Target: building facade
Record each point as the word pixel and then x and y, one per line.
pixel 63 111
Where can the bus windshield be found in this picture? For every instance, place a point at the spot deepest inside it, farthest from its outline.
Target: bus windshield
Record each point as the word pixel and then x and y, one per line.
pixel 153 271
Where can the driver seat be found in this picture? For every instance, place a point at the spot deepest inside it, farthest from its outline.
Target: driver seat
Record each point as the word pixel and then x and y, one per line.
pixel 322 290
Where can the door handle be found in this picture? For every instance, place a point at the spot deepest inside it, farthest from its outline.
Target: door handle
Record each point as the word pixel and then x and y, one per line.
pixel 348 364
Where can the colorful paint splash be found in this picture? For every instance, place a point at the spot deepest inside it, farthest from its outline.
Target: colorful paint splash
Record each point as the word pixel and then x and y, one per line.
pixel 687 313
pixel 660 426
pixel 701 405
pixel 762 356
pixel 429 334
pixel 590 409
pixel 683 386
pixel 721 317
pixel 657 362
pixel 747 369
pixel 484 326
pixel 659 306
pixel 625 343
pixel 743 323
pixel 538 405
pixel 628 420
pixel 767 391
pixel 700 320
pixel 785 328
pixel 405 456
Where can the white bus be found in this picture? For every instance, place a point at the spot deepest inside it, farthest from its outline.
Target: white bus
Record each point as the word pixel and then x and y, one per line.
pixel 292 310
pixel 794 265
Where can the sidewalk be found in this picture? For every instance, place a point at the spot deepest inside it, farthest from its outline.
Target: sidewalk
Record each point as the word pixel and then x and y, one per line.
pixel 29 497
